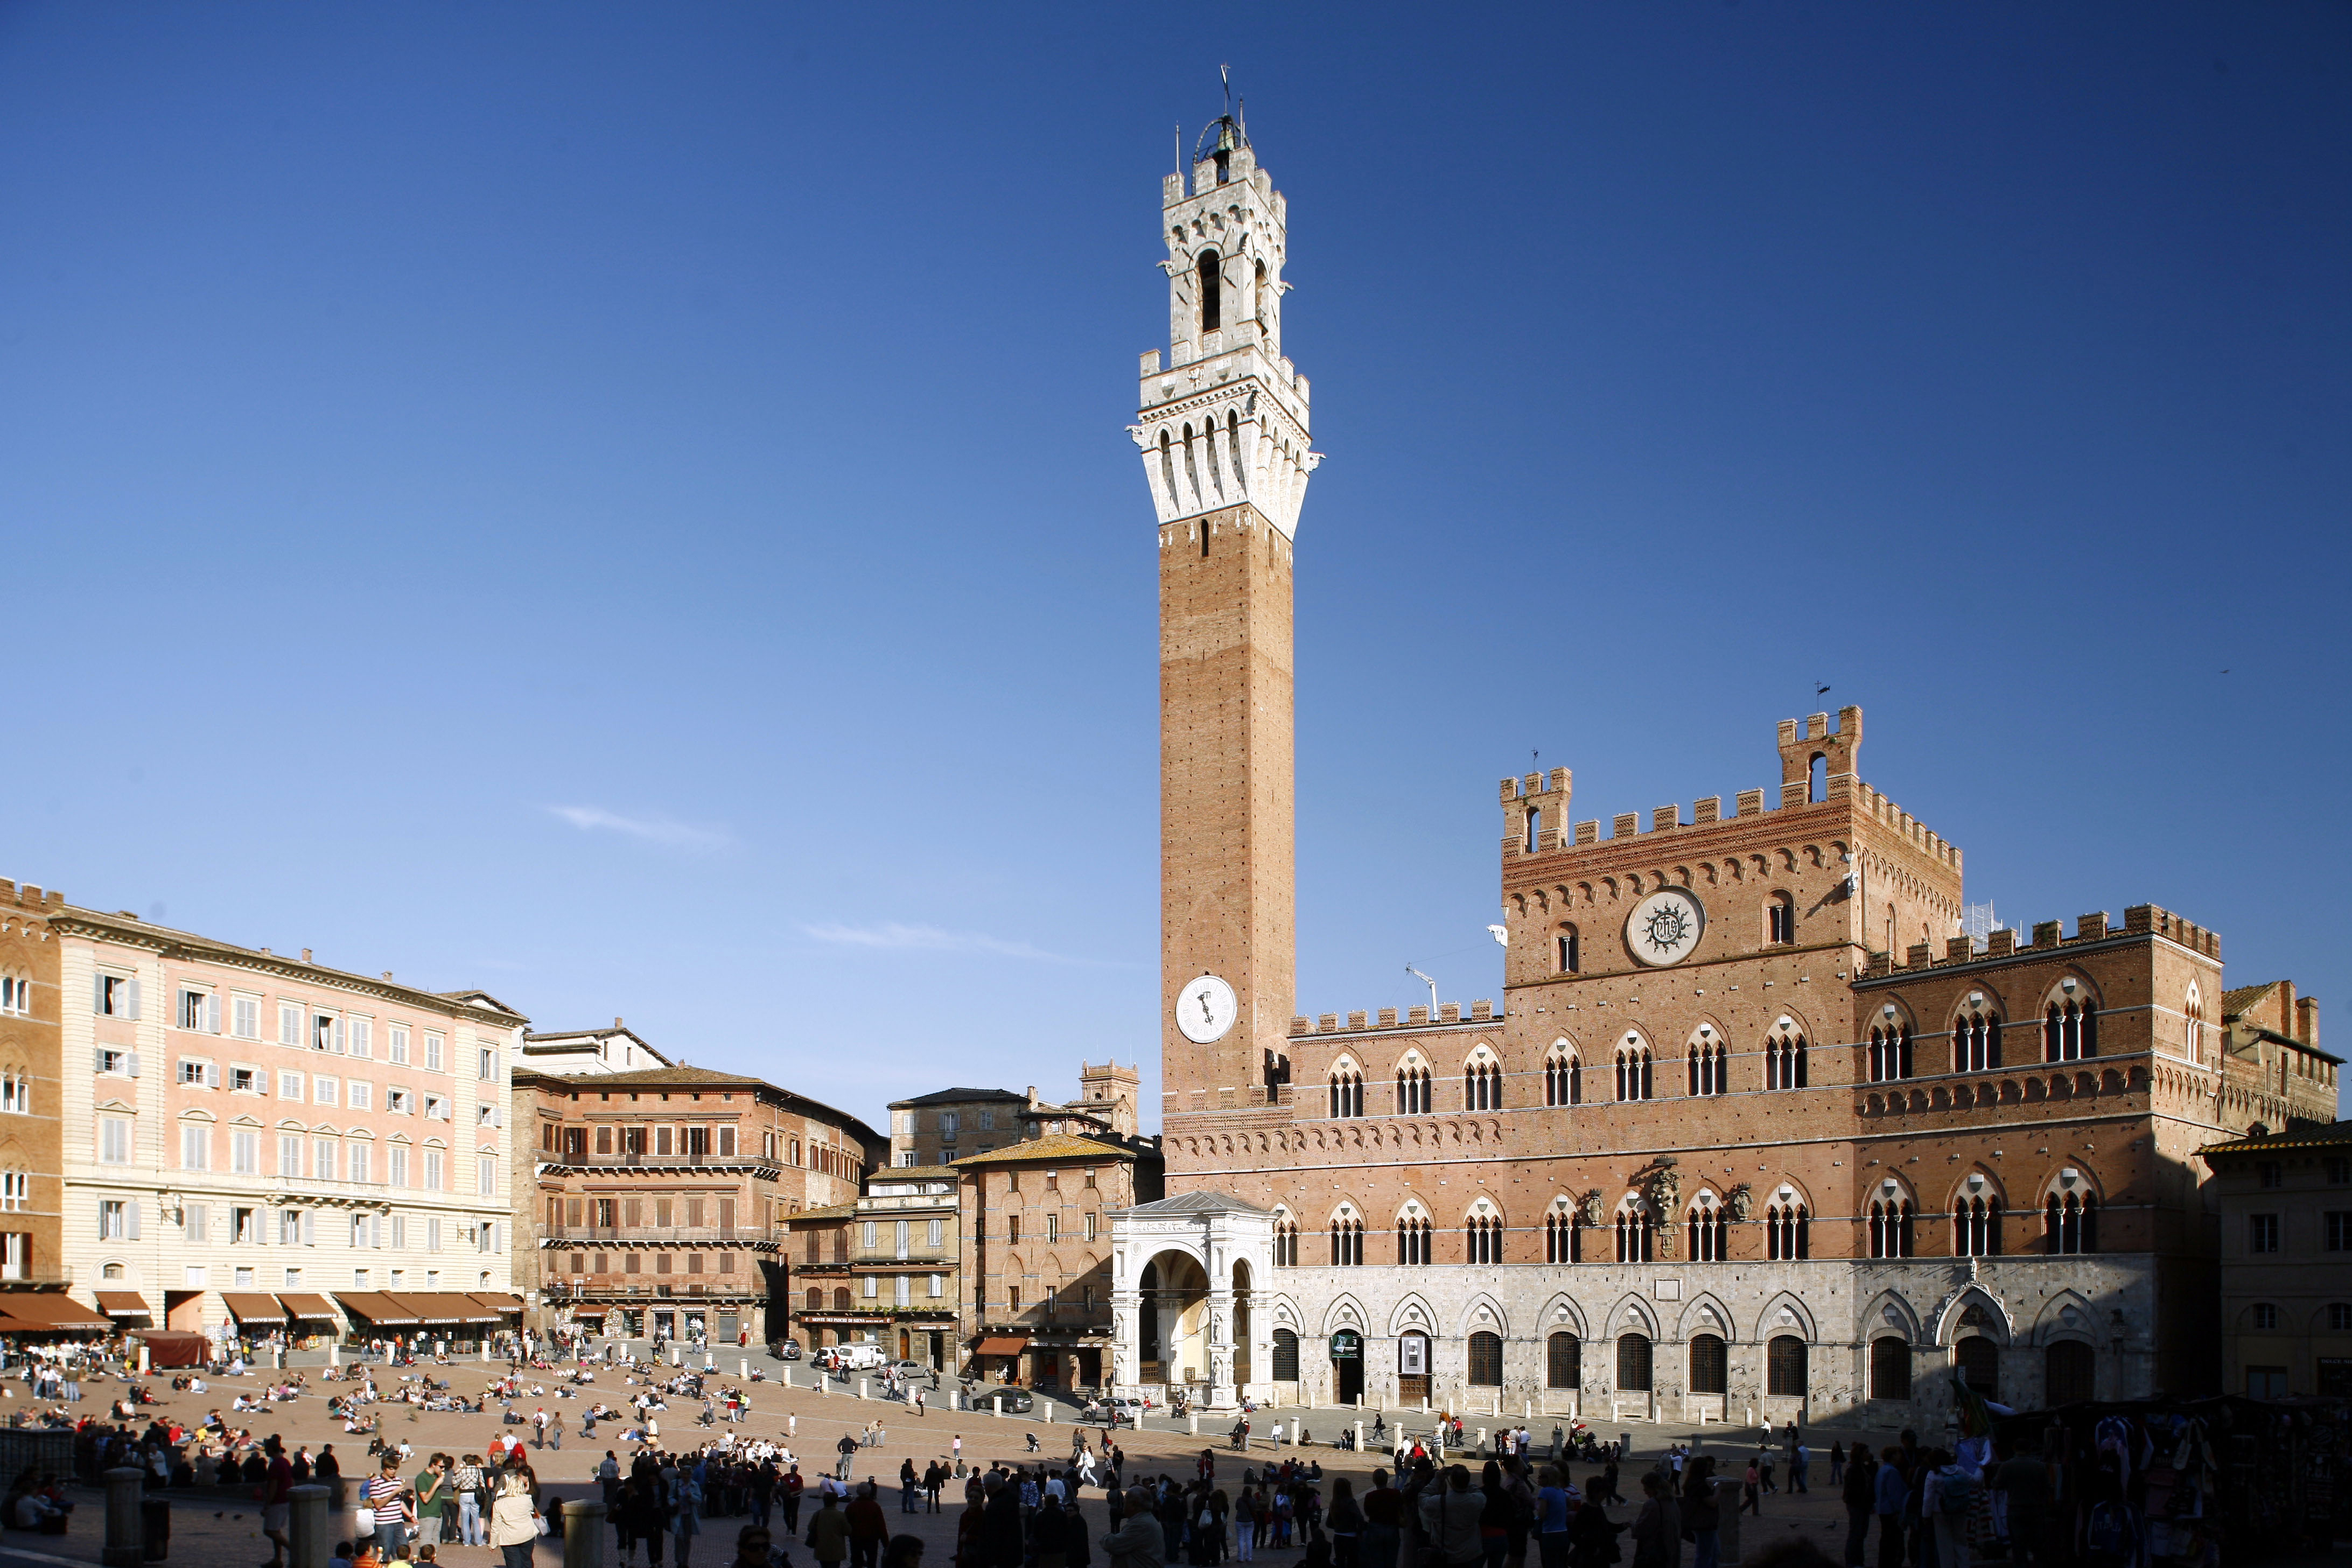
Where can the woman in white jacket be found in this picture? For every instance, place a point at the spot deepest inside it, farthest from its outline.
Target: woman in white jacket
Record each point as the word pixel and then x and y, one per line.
pixel 514 1523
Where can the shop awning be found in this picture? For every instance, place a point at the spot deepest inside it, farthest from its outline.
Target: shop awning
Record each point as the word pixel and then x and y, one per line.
pixel 302 1304
pixel 379 1310
pixel 497 1301
pixel 123 1304
pixel 1002 1344
pixel 253 1307
pixel 48 1313
pixel 442 1306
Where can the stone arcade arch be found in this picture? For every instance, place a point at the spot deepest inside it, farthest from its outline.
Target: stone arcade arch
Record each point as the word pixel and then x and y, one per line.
pixel 1183 1272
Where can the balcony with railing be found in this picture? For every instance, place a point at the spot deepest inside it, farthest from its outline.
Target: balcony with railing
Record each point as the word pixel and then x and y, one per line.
pixel 684 1237
pixel 566 1159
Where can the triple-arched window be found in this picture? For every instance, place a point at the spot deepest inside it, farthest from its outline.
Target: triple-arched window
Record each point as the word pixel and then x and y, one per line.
pixel 1346 1240
pixel 1976 1041
pixel 1784 1056
pixel 2070 1030
pixel 1482 1084
pixel 1634 1074
pixel 1286 1243
pixel 1788 1230
pixel 2070 1223
pixel 1890 1051
pixel 1635 1240
pixel 1483 1239
pixel 1412 1238
pixel 1892 1226
pixel 1706 1062
pixel 1709 1231
pixel 1563 1078
pixel 1559 1237
pixel 1975 1228
pixel 1347 1091
pixel 1413 1089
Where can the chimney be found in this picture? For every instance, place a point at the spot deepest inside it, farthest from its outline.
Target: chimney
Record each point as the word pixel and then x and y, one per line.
pixel 616 1020
pixel 2287 1007
pixel 306 955
pixel 2306 1021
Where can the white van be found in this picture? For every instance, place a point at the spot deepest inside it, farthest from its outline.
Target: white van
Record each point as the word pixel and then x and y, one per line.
pixel 863 1357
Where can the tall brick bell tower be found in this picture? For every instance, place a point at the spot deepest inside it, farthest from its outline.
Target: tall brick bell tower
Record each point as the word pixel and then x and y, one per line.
pixel 1223 432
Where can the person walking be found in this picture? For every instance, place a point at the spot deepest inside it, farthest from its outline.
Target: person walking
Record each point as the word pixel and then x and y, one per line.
pixel 1858 1491
pixel 1751 1498
pixel 1657 1529
pixel 828 1531
pixel 1890 1491
pixel 1702 1513
pixel 1837 1463
pixel 514 1523
pixel 381 1494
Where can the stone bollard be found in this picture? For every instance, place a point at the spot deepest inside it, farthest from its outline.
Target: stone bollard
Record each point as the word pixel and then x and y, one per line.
pixel 125 1536
pixel 997 1405
pixel 1049 1413
pixel 861 1388
pixel 1195 1420
pixel 583 1534
pixel 1482 1439
pixel 1360 1437
pixel 744 1367
pixel 309 1544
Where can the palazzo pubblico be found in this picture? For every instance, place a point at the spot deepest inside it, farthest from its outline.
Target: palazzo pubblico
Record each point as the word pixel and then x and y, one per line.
pixel 1757 1132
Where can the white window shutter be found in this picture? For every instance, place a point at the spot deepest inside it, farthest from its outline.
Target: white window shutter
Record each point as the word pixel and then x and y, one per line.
pixel 375 1230
pixel 309 1234
pixel 133 1063
pixel 212 1014
pixel 133 986
pixel 261 1081
pixel 98 993
pixel 498 1116
pixel 501 1242
pixel 212 1075
pixel 130 1220
pixel 338 1037
pixel 97 1060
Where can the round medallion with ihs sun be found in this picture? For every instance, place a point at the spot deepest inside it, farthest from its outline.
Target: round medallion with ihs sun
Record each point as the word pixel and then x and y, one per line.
pixel 1664 927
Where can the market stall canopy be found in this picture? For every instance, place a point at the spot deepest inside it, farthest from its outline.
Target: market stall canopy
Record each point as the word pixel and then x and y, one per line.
pixel 1002 1344
pixel 382 1310
pixel 253 1307
pixel 301 1305
pixel 172 1348
pixel 123 1304
pixel 47 1312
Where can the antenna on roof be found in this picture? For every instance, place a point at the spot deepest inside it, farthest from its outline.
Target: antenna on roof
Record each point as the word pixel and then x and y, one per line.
pixel 1180 148
pixel 1225 75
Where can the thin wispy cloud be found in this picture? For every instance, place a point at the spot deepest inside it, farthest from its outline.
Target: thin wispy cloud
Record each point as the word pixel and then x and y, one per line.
pixel 655 829
pixel 893 935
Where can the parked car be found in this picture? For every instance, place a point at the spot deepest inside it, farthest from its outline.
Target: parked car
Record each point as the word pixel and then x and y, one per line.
pixel 785 1349
pixel 1016 1401
pixel 911 1369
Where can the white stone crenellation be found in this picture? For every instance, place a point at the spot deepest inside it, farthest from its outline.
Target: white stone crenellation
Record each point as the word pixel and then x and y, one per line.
pixel 1222 421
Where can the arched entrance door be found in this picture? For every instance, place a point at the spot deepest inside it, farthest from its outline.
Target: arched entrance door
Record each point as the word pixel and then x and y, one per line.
pixel 1173 1320
pixel 1347 1366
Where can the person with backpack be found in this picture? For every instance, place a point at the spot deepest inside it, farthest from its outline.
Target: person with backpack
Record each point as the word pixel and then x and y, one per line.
pixel 1948 1498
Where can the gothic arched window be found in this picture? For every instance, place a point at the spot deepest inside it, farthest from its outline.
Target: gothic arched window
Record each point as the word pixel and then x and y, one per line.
pixel 1413 1089
pixel 1563 1081
pixel 1891 1227
pixel 1482 1085
pixel 1636 1243
pixel 1784 1056
pixel 1483 1239
pixel 1347 1091
pixel 1788 1231
pixel 2071 1222
pixel 1706 1060
pixel 1559 1237
pixel 1412 1239
pixel 1890 1052
pixel 2070 1031
pixel 1709 1233
pixel 1212 286
pixel 1976 1042
pixel 1975 1228
pixel 1633 1080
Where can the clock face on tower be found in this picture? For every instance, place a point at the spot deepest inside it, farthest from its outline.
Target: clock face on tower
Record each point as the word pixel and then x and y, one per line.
pixel 1205 1009
pixel 1664 927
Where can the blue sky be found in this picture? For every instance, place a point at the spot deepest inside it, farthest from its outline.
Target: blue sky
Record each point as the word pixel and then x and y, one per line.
pixel 629 506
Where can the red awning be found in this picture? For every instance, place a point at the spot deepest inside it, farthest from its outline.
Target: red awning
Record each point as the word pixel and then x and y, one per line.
pixel 1002 1344
pixel 381 1310
pixel 302 1304
pixel 497 1300
pixel 123 1304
